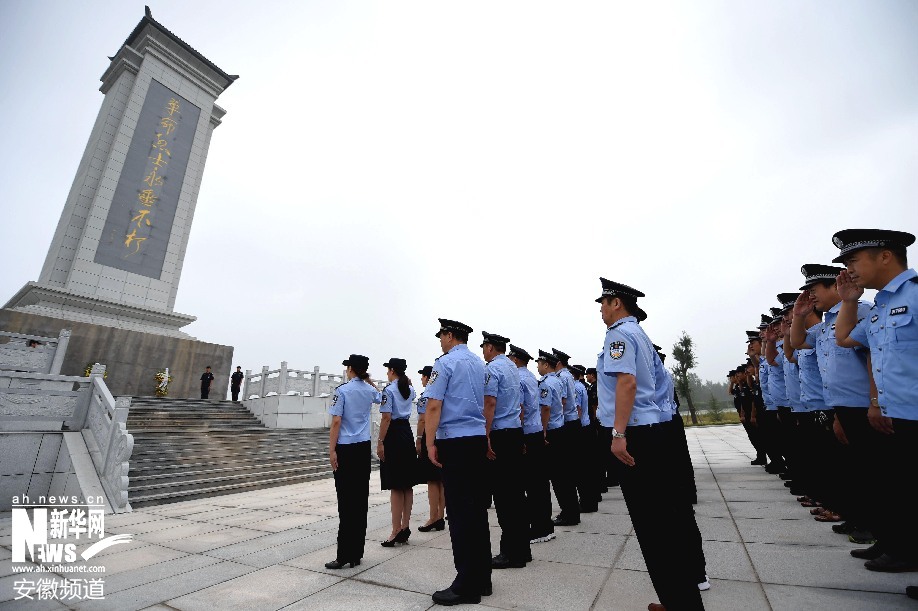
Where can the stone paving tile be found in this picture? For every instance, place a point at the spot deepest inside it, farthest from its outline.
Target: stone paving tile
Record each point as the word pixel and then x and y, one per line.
pixel 791 598
pixel 352 594
pixel 373 555
pixel 272 587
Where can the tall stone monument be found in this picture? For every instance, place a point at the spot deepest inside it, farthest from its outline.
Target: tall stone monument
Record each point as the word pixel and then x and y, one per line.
pixel 113 269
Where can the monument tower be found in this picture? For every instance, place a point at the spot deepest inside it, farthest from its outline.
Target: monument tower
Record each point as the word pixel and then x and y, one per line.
pixel 116 257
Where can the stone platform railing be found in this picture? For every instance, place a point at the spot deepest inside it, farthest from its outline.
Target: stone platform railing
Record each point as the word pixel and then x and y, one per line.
pixel 286 381
pixel 46 357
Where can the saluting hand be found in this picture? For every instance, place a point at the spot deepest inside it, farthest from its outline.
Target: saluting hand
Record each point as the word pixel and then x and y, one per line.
pixel 847 289
pixel 804 304
pixel 620 449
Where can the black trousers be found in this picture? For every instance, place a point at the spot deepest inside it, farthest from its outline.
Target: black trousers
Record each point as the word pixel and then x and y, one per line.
pixel 538 488
pixel 205 391
pixel 805 443
pixel 869 455
pixel 684 468
pixel 234 390
pixel 827 457
pixel 465 463
pixel 771 435
pixel 752 430
pixel 510 493
pixel 579 473
pixel 588 483
pixel 559 469
pixel 610 464
pixel 664 522
pixel 787 423
pixel 897 498
pixel 352 486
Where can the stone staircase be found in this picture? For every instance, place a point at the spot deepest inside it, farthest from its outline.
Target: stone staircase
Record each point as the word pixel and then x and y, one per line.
pixel 189 449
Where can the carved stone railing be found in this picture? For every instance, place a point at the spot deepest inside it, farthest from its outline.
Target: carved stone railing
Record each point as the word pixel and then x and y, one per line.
pixel 45 357
pixel 109 443
pixel 286 381
pixel 42 402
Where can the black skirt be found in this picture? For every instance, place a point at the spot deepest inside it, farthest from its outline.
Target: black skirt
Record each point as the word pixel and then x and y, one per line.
pixel 429 472
pixel 399 471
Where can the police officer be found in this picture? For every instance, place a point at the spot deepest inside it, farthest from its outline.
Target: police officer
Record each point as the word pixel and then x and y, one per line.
pixel 768 418
pixel 502 397
pixel 662 519
pixel 587 480
pixel 877 259
pixel 207 378
pixel 552 391
pixel 236 382
pixel 535 463
pixel 457 441
pixel 396 449
pixel 603 439
pixel 571 434
pixel 349 453
pixel 428 471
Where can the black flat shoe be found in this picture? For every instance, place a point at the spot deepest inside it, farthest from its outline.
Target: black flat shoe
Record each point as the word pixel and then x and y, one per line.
pixel 438 525
pixel 502 562
pixel 559 521
pixel 448 598
pixel 868 553
pixel 340 564
pixel 887 564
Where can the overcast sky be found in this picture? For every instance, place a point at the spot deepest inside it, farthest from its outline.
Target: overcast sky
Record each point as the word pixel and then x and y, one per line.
pixel 383 164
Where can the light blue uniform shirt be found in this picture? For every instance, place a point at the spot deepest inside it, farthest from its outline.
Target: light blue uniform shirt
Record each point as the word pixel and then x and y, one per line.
pixel 776 386
pixel 502 381
pixel 665 385
pixel 844 370
pixel 770 405
pixel 810 380
pixel 550 389
pixel 792 382
pixel 394 403
pixel 581 391
pixel 352 401
pixel 457 379
pixel 891 331
pixel 627 349
pixel 529 391
pixel 422 405
pixel 570 395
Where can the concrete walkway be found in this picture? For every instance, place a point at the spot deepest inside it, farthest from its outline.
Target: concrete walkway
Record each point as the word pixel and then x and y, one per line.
pixel 266 549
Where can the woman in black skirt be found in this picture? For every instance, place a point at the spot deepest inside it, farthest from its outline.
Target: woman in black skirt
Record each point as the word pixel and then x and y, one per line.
pixel 428 471
pixel 349 452
pixel 396 451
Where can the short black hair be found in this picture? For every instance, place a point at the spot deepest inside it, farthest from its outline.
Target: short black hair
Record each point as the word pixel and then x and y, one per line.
pixel 899 252
pixel 208 367
pixel 461 336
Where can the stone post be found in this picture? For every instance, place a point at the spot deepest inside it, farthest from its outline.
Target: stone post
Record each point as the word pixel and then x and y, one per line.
pixel 97 370
pixel 315 381
pixel 264 380
pixel 282 379
pixel 63 339
pixel 245 384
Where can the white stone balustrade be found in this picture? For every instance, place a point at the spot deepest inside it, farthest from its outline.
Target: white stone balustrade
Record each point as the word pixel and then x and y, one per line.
pixel 47 357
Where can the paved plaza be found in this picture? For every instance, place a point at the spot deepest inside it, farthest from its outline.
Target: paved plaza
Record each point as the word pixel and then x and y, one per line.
pixel 266 550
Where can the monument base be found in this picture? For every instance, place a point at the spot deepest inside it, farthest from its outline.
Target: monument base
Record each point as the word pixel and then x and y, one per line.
pixel 132 357
pixel 56 302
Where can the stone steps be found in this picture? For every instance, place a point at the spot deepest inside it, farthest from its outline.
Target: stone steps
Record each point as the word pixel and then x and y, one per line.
pixel 192 449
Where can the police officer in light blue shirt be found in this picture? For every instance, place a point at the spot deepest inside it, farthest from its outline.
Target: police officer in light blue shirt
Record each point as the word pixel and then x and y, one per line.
pixel 457 440
pixel 537 407
pixel 505 442
pixel 878 259
pixel 398 469
pixel 588 484
pixel 349 452
pixel 552 390
pixel 663 519
pixel 846 389
pixel 572 432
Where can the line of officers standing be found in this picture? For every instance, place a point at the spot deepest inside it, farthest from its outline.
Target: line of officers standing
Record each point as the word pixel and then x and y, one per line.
pixel 829 397
pixel 496 432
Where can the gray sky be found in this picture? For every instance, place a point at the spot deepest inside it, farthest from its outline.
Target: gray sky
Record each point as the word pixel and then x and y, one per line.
pixel 383 164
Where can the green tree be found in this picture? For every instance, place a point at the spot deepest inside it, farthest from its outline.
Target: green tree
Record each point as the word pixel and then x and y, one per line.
pixel 715 410
pixel 685 362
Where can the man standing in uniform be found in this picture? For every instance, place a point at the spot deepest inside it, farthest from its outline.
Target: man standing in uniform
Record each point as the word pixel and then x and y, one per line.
pixel 535 470
pixel 571 435
pixel 552 388
pixel 505 449
pixel 877 259
pixel 587 480
pixel 604 458
pixel 661 515
pixel 457 441
pixel 207 379
pixel 236 383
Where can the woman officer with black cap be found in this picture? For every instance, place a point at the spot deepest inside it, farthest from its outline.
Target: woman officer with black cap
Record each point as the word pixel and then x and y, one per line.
pixel 349 452
pixel 429 472
pixel 397 455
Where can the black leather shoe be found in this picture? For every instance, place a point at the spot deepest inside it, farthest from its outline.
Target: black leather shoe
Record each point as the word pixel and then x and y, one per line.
pixel 785 476
pixel 887 564
pixel 759 461
pixel 438 525
pixel 487 590
pixel 502 562
pixel 788 483
pixel 774 469
pixel 867 553
pixel 559 521
pixel 845 528
pixel 589 508
pixel 912 592
pixel 340 564
pixel 448 598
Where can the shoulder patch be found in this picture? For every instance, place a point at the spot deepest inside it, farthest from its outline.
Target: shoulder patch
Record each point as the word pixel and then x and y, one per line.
pixel 487 378
pixel 899 310
pixel 335 399
pixel 433 377
pixel 544 393
pixel 617 350
pixel 385 398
